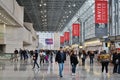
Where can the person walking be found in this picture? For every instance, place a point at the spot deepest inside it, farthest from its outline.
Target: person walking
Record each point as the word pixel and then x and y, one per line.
pixel 74 61
pixel 60 58
pixel 51 56
pixel 115 61
pixel 16 54
pixel 104 59
pixel 42 56
pixel 21 55
pixel 118 62
pixel 83 56
pixel 35 57
pixel 91 56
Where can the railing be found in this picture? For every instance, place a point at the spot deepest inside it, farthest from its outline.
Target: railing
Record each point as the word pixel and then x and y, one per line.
pixel 6 56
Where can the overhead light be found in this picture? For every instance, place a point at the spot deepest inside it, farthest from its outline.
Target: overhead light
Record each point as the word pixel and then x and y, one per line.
pixel 70 11
pixel 45 15
pixel 45 11
pixel 41 11
pixel 44 4
pixel 69 6
pixel 67 16
pixel 45 23
pixel 40 5
pixel 74 5
pixel 45 20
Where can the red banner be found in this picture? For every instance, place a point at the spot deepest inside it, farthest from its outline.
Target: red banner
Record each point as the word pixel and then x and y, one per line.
pixel 76 29
pixel 101 11
pixel 67 36
pixel 61 39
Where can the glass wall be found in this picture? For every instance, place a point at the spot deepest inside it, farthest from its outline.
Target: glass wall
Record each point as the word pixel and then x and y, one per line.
pixel 87 17
pixel 115 28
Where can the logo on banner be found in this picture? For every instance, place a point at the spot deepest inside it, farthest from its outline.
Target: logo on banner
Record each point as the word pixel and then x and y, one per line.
pixel 76 29
pixel 49 41
pixel 101 11
pixel 61 39
pixel 67 36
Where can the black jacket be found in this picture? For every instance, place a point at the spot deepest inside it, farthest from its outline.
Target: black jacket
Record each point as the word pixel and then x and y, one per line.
pixel 35 56
pixel 58 57
pixel 119 58
pixel 115 57
pixel 73 59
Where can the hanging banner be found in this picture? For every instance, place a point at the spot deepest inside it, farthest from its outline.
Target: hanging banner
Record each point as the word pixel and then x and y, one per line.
pixel 61 39
pixel 101 30
pixel 101 11
pixel 67 36
pixel 76 29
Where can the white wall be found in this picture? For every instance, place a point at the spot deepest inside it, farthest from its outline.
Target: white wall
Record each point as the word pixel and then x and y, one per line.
pixel 13 9
pixel 12 39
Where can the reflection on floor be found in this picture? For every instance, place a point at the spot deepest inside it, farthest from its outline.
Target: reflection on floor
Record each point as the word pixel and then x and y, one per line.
pixel 22 70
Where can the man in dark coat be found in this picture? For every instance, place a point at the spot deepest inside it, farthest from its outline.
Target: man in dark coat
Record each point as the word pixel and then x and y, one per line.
pixel 60 58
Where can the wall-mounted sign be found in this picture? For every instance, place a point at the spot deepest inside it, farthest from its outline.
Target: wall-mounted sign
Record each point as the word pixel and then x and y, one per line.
pixel 49 41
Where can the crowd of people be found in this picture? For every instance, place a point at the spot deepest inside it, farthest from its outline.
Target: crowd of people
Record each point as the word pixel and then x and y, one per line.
pixel 75 57
pixel 25 54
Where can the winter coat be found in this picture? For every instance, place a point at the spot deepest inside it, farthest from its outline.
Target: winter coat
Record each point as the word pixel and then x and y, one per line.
pixel 73 59
pixel 58 57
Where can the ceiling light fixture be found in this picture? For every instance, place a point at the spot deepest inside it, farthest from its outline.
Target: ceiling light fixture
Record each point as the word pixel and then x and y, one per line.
pixel 69 6
pixel 70 12
pixel 45 11
pixel 45 15
pixel 41 11
pixel 40 5
pixel 45 19
pixel 74 5
pixel 44 4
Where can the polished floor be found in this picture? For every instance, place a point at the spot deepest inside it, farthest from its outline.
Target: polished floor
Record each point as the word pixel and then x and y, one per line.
pixel 22 70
